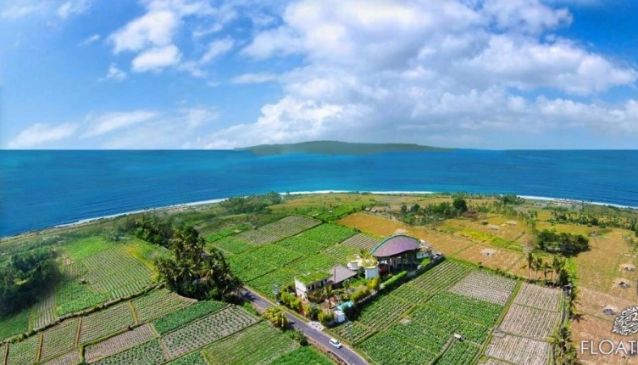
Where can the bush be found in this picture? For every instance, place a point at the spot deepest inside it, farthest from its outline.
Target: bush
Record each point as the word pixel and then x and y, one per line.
pixel 395 280
pixel 373 284
pixel 566 243
pixel 359 293
pixel 325 317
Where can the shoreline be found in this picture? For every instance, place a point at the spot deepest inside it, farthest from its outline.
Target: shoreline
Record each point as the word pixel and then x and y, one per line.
pixel 84 221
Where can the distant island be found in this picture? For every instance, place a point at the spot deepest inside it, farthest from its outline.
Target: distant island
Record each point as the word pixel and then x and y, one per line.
pixel 338 148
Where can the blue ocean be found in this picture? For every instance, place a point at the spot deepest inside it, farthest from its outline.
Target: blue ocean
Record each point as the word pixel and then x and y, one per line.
pixel 40 189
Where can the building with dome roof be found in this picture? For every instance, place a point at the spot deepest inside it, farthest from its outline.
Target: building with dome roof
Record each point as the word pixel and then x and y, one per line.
pixel 398 252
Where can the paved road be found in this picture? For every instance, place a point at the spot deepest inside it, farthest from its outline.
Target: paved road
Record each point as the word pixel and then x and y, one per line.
pixel 344 353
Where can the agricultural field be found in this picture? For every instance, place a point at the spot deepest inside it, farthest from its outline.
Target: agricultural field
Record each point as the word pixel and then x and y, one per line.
pixel 177 319
pixel 362 241
pixel 156 304
pixel 106 322
pixel 257 344
pixel 206 330
pixel 523 336
pixel 488 287
pixel 415 323
pixel 303 355
pixel 119 343
pixel 59 339
pixel 276 231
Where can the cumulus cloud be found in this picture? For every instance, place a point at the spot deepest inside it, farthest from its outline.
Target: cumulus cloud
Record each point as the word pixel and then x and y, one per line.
pixel 72 7
pixel 153 29
pixel 448 72
pixel 39 134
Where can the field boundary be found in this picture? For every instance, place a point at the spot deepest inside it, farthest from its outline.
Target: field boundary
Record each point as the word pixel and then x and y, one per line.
pixel 80 314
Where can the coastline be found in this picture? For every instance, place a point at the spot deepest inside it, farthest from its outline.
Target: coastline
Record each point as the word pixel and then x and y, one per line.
pixel 84 221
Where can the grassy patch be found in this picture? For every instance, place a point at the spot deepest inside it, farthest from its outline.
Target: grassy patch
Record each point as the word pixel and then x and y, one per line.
pixel 14 324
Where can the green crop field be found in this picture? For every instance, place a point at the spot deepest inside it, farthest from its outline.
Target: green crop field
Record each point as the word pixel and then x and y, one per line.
pixel 14 324
pixel 415 323
pixel 59 339
pixel 257 344
pixel 106 322
pixel 231 245
pixel 177 319
pixel 149 353
pixel 24 352
pixel 158 303
pixel 304 355
pixel 194 358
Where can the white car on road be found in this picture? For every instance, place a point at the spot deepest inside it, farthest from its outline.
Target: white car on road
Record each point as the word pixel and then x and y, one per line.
pixel 335 343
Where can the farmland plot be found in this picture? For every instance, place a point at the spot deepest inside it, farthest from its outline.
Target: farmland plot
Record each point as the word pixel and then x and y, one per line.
pixel 231 245
pixel 71 295
pixel 328 234
pixel 440 277
pixel 158 303
pixel 258 344
pixel 43 312
pixel 538 297
pixel 266 284
pixel 253 264
pixel 361 241
pixel 411 294
pixel 303 355
pixel 276 231
pixel 206 330
pixel 60 339
pixel 177 319
pixel 530 322
pixel 106 322
pixel 383 311
pixel 24 352
pixel 116 273
pixel 70 358
pixel 148 353
pixel 353 331
pixel 385 348
pixel 119 343
pixel 194 358
pixel 426 337
pixel 519 350
pixel 472 309
pixel 459 353
pixel 483 286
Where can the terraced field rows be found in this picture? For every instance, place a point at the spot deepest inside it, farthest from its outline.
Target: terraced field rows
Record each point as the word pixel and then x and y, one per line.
pixel 106 322
pixel 361 241
pixel 530 322
pixel 258 344
pixel 24 352
pixel 148 353
pixel 440 277
pixel 59 339
pixel 538 297
pixel 276 231
pixel 116 273
pixel 206 330
pixel 119 343
pixel 158 303
pixel 72 357
pixel 43 313
pixel 519 350
pixel 488 287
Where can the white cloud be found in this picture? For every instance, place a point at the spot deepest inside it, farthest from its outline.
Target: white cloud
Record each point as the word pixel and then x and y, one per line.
pixel 217 48
pixel 110 122
pixel 153 29
pixel 39 134
pixel 89 40
pixel 19 10
pixel 72 7
pixel 432 71
pixel 155 59
pixel 254 78
pixel 114 73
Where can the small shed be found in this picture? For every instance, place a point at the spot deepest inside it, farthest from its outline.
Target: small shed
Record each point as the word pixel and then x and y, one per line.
pixel 339 274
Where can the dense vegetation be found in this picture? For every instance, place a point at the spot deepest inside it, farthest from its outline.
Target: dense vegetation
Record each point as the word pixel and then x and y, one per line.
pixel 24 278
pixel 565 243
pixel 251 204
pixel 417 214
pixel 195 273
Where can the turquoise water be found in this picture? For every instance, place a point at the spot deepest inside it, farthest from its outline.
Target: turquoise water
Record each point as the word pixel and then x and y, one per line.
pixel 46 188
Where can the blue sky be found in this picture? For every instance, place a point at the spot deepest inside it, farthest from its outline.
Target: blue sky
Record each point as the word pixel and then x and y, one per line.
pixel 222 74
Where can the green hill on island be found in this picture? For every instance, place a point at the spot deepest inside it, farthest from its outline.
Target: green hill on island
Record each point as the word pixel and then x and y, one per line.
pixel 338 148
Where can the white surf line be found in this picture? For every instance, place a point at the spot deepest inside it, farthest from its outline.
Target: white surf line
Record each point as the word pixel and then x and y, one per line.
pixel 308 192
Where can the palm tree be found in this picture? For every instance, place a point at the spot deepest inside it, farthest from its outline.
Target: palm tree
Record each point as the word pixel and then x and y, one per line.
pixel 530 263
pixel 276 316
